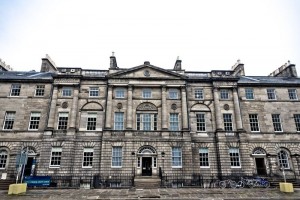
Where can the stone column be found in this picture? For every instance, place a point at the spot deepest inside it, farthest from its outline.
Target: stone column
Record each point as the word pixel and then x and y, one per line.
pixel 129 108
pixel 109 107
pixel 52 109
pixel 164 113
pixel 74 108
pixel 184 109
pixel 237 110
pixel 217 109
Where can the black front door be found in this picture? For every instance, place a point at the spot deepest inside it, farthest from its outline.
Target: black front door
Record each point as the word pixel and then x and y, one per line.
pixel 146 166
pixel 28 166
pixel 260 166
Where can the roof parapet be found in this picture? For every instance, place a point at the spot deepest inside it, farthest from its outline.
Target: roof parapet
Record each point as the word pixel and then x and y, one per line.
pixel 286 70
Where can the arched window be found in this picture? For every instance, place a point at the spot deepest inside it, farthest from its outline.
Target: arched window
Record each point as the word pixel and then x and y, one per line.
pixel 283 159
pixel 3 158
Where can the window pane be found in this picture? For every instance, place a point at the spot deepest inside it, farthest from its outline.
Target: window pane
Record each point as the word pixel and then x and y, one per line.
pixel 117 157
pixel 227 122
pixel 15 90
pixel 120 93
pixel 34 121
pixel 283 159
pixel 224 94
pixel 55 157
pixel 293 94
pixel 200 122
pixel 88 154
pixel 198 93
pixel 203 156
pixel 3 158
pixel 146 93
pixel 276 122
pixel 173 94
pixel 271 94
pixel 40 90
pixel 249 93
pixel 174 122
pixel 234 157
pixel 297 121
pixel 91 121
pixel 9 120
pixel 94 91
pixel 62 121
pixel 119 121
pixel 67 92
pixel 253 119
pixel 176 157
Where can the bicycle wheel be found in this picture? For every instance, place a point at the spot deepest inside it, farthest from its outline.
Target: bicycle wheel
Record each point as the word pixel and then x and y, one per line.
pixel 232 184
pixel 240 184
pixel 266 184
pixel 222 184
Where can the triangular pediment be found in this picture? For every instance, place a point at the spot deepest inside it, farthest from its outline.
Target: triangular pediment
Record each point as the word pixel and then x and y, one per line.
pixel 147 71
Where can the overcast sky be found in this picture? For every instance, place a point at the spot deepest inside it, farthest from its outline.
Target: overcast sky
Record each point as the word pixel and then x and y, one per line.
pixel 206 35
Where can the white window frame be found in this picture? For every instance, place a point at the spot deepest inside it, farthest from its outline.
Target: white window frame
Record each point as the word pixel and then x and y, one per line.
pixel 224 94
pixel 118 124
pixel 249 93
pixel 292 94
pixel 173 94
pixel 147 93
pixel 9 118
pixel 39 91
pixel 199 95
pixel 120 93
pixel 276 120
pixel 283 159
pixel 87 157
pixel 271 93
pixel 254 122
pixel 117 153
pixel 227 119
pixel 297 122
pixel 34 120
pixel 200 121
pixel 60 120
pixel 140 121
pixel 94 92
pixel 3 158
pixel 204 157
pixel 176 163
pixel 56 156
pixel 15 90
pixel 91 124
pixel 66 92
pixel 174 122
pixel 235 160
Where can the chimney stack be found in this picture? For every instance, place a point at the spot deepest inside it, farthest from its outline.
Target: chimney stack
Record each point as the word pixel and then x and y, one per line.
pixel 177 66
pixel 48 64
pixel 286 70
pixel 113 61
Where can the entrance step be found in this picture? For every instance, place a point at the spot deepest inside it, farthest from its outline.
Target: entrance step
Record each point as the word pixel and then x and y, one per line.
pixel 4 184
pixel 147 182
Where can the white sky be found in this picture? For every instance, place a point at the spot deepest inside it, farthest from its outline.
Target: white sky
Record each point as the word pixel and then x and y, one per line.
pixel 206 35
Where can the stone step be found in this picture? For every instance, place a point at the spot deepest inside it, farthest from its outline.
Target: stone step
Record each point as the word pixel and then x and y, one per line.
pixel 147 182
pixel 4 184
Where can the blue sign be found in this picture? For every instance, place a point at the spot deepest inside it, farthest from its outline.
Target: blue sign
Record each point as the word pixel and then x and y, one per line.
pixel 37 180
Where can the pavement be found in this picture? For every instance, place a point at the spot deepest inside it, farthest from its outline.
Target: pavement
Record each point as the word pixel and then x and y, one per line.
pixel 147 194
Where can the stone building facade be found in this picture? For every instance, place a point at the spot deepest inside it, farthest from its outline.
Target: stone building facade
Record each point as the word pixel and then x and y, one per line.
pixel 148 120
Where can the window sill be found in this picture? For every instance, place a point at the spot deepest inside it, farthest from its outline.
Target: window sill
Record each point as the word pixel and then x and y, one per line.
pixel 203 167
pixel 237 167
pixel 177 167
pixel 54 167
pixel 116 167
pixel 87 167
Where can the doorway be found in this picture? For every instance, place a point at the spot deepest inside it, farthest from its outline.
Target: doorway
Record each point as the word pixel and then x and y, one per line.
pixel 260 166
pixel 146 166
pixel 28 166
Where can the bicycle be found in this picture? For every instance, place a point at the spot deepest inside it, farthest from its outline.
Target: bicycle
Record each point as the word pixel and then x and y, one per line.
pixel 245 182
pixel 227 183
pixel 261 182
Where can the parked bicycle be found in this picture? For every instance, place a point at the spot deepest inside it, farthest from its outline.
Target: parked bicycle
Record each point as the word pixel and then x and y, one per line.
pixel 261 182
pixel 227 183
pixel 245 182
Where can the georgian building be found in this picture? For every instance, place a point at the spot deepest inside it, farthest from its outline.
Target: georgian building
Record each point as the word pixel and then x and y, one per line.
pixel 149 121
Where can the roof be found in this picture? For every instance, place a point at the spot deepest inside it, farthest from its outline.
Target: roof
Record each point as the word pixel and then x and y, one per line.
pixel 264 80
pixel 19 75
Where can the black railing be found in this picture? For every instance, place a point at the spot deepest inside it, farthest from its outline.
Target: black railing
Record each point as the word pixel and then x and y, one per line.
pixel 113 180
